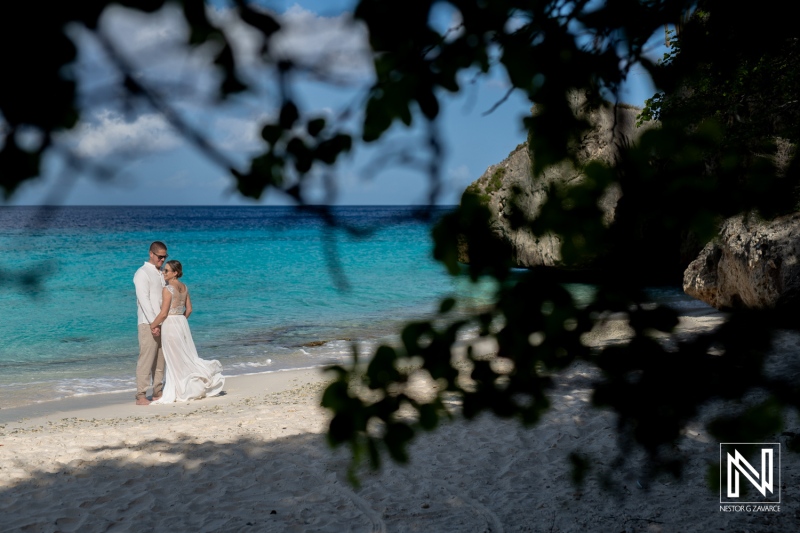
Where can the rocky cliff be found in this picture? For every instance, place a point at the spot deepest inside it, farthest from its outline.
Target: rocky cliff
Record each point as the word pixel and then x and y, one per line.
pixel 752 264
pixel 511 182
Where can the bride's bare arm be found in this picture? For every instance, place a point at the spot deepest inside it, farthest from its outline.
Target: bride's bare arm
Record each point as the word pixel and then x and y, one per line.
pixel 188 305
pixel 166 300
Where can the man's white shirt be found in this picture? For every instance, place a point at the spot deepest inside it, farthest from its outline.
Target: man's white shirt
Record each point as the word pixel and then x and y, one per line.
pixel 149 283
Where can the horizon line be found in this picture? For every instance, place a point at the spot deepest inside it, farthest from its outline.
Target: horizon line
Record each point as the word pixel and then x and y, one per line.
pixel 227 205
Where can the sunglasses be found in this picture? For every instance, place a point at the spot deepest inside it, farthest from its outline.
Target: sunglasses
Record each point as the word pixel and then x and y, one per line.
pixel 161 257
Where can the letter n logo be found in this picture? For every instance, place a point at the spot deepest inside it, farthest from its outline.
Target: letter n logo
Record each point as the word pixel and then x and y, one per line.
pixel 743 465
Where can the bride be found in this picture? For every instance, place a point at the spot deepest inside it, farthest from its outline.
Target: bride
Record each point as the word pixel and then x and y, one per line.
pixel 187 376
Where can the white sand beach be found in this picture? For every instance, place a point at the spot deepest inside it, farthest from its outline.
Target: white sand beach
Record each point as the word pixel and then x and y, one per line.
pixel 256 459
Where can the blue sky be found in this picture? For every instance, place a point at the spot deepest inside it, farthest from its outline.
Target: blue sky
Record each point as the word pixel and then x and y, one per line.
pixel 154 166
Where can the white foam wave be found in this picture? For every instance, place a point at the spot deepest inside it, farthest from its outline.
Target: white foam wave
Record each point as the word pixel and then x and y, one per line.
pixel 88 387
pixel 252 364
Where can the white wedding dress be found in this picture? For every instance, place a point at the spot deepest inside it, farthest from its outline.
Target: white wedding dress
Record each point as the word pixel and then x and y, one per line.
pixel 187 376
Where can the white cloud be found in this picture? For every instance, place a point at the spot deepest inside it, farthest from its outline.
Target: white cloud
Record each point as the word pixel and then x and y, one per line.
pixel 240 134
pixel 147 38
pixel 333 46
pixel 154 43
pixel 340 42
pixel 153 46
pixel 110 134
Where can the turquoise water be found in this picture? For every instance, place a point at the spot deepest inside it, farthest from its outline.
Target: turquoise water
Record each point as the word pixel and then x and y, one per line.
pixel 272 288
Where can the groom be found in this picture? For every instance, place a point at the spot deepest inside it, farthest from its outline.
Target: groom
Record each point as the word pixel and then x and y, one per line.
pixel 149 282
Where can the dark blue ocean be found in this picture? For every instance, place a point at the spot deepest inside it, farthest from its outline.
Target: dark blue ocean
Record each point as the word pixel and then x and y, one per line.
pixel 273 288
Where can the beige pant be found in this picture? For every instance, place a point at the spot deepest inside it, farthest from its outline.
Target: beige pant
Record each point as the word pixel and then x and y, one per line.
pixel 151 363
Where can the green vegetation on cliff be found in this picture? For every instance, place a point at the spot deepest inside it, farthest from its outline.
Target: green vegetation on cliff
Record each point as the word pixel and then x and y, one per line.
pixel 484 187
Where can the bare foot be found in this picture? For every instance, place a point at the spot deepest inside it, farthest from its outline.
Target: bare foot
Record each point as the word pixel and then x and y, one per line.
pixel 157 397
pixel 142 401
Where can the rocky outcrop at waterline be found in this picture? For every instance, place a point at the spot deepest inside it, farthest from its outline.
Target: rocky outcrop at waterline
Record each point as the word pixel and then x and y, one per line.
pixel 752 264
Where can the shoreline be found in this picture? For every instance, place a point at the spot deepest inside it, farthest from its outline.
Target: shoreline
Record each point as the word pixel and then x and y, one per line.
pixel 20 397
pixel 256 459
pixel 122 404
pixel 704 317
pixel 32 389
